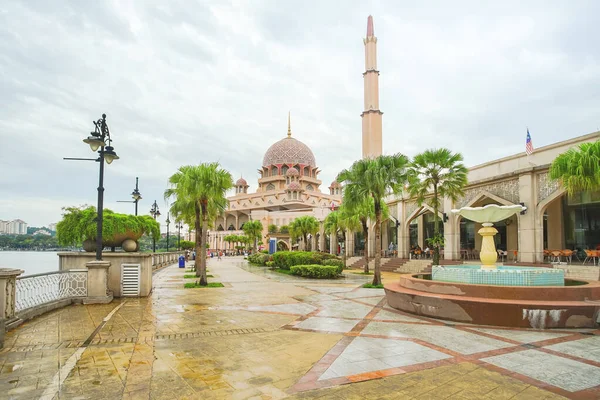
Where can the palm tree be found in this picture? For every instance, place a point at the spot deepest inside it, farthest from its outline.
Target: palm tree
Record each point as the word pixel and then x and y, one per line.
pixel 253 229
pixel 374 178
pixel 200 188
pixel 303 226
pixel 578 169
pixel 272 228
pixel 332 226
pixel 348 223
pixel 442 172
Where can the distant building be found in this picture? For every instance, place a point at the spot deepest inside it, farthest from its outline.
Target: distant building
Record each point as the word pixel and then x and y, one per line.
pixel 52 227
pixel 43 231
pixel 14 227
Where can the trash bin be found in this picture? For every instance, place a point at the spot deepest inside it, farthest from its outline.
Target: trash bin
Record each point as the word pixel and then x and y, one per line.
pixel 181 262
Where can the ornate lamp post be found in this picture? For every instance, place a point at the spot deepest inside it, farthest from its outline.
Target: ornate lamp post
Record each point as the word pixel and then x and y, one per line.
pixel 155 213
pixel 168 221
pixel 178 226
pixel 135 195
pixel 100 139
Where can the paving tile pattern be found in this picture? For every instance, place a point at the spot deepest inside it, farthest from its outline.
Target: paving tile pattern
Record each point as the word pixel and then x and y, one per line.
pixel 270 336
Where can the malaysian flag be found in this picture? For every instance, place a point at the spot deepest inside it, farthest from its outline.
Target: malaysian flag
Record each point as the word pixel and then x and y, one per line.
pixel 528 144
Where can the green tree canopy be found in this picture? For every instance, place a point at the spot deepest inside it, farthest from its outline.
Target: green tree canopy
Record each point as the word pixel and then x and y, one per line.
pixel 578 169
pixel 199 190
pixel 433 175
pixel 374 178
pixel 304 226
pixel 253 230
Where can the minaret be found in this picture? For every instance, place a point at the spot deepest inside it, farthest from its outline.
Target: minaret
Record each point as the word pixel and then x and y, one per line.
pixel 371 116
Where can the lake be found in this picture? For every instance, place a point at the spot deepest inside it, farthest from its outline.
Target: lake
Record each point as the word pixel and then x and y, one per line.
pixel 32 262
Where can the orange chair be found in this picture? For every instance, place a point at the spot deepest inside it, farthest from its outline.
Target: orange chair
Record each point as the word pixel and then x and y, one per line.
pixel 567 254
pixel 546 254
pixel 555 256
pixel 515 253
pixel 590 255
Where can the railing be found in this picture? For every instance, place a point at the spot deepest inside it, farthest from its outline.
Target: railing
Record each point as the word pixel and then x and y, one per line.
pixel 34 290
pixel 163 259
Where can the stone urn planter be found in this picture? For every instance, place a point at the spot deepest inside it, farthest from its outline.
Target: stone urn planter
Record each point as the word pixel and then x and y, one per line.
pixel 128 241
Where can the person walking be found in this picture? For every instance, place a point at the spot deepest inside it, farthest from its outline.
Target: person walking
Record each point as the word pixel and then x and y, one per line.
pixel 219 255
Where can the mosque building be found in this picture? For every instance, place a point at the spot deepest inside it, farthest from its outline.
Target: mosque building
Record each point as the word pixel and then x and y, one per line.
pixel 289 187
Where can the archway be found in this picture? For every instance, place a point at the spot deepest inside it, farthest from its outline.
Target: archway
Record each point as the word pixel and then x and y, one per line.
pixel 568 222
pixel 282 245
pixel 418 227
pixel 468 244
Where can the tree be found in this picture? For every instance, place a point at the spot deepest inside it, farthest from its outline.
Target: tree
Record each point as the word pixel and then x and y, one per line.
pixel 199 189
pixel 332 226
pixel 348 223
pixel 578 169
pixel 442 172
pixel 304 226
pixel 272 228
pixel 285 229
pixel 253 230
pixel 374 178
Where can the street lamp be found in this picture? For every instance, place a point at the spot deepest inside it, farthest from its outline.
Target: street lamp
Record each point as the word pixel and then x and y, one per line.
pixel 135 195
pixel 100 141
pixel 168 222
pixel 178 226
pixel 155 213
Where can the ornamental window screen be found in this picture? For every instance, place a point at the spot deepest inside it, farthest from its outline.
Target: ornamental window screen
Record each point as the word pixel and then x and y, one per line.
pixel 270 186
pixel 310 187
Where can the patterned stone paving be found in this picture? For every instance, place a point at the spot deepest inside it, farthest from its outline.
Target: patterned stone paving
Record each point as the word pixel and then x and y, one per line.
pixel 269 338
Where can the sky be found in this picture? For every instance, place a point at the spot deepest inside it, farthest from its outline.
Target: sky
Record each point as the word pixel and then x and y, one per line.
pixel 186 82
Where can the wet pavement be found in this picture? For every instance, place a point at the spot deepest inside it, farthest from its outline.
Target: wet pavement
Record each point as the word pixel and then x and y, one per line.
pixel 269 336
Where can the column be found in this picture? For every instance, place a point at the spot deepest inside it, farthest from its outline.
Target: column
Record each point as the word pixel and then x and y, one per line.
pixel 332 244
pixel 403 238
pixel 98 282
pixel 421 232
pixel 527 245
pixel 451 233
pixel 322 238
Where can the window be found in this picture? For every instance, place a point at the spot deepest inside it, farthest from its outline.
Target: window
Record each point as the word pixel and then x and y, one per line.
pixel 309 187
pixel 270 186
pixel 295 195
pixel 284 169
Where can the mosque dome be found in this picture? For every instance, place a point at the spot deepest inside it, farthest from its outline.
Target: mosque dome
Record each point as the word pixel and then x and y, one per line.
pixel 292 172
pixel 335 184
pixel 289 151
pixel 241 182
pixel 294 186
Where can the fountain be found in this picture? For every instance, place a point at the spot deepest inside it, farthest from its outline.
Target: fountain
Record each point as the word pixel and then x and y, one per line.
pixel 487 294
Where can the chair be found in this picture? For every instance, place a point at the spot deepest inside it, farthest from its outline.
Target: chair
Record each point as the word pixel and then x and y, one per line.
pixel 502 255
pixel 568 255
pixel 546 255
pixel 555 256
pixel 515 253
pixel 590 255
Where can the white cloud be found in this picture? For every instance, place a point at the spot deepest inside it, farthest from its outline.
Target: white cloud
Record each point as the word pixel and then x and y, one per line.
pixel 187 82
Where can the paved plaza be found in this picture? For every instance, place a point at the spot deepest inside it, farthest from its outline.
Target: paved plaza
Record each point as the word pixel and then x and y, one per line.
pixel 272 336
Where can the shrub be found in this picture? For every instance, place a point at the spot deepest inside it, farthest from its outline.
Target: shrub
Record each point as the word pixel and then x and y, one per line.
pixel 270 264
pixel 328 256
pixel 315 271
pixel 335 263
pixel 285 259
pixel 265 251
pixel 259 258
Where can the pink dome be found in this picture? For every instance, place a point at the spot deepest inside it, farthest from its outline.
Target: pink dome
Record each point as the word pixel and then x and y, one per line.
pixel 241 182
pixel 292 172
pixel 335 184
pixel 294 186
pixel 289 151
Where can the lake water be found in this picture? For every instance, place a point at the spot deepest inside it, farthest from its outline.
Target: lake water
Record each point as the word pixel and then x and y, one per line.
pixel 32 262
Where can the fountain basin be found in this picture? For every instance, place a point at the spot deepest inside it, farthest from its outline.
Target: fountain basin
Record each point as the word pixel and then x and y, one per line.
pixel 539 307
pixel 501 275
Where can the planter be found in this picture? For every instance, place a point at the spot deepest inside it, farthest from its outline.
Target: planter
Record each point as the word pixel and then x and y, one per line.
pixel 127 241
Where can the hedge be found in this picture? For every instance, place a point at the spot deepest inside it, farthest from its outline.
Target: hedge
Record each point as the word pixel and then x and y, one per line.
pixel 285 259
pixel 335 263
pixel 316 271
pixel 259 258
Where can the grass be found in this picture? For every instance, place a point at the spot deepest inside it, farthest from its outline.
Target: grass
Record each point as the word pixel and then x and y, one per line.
pixel 361 273
pixel 194 285
pixel 193 276
pixel 371 286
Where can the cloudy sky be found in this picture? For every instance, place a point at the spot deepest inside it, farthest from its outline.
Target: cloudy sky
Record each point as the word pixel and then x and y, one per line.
pixel 185 82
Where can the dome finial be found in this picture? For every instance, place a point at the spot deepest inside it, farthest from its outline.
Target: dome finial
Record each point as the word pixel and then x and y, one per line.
pixel 289 126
